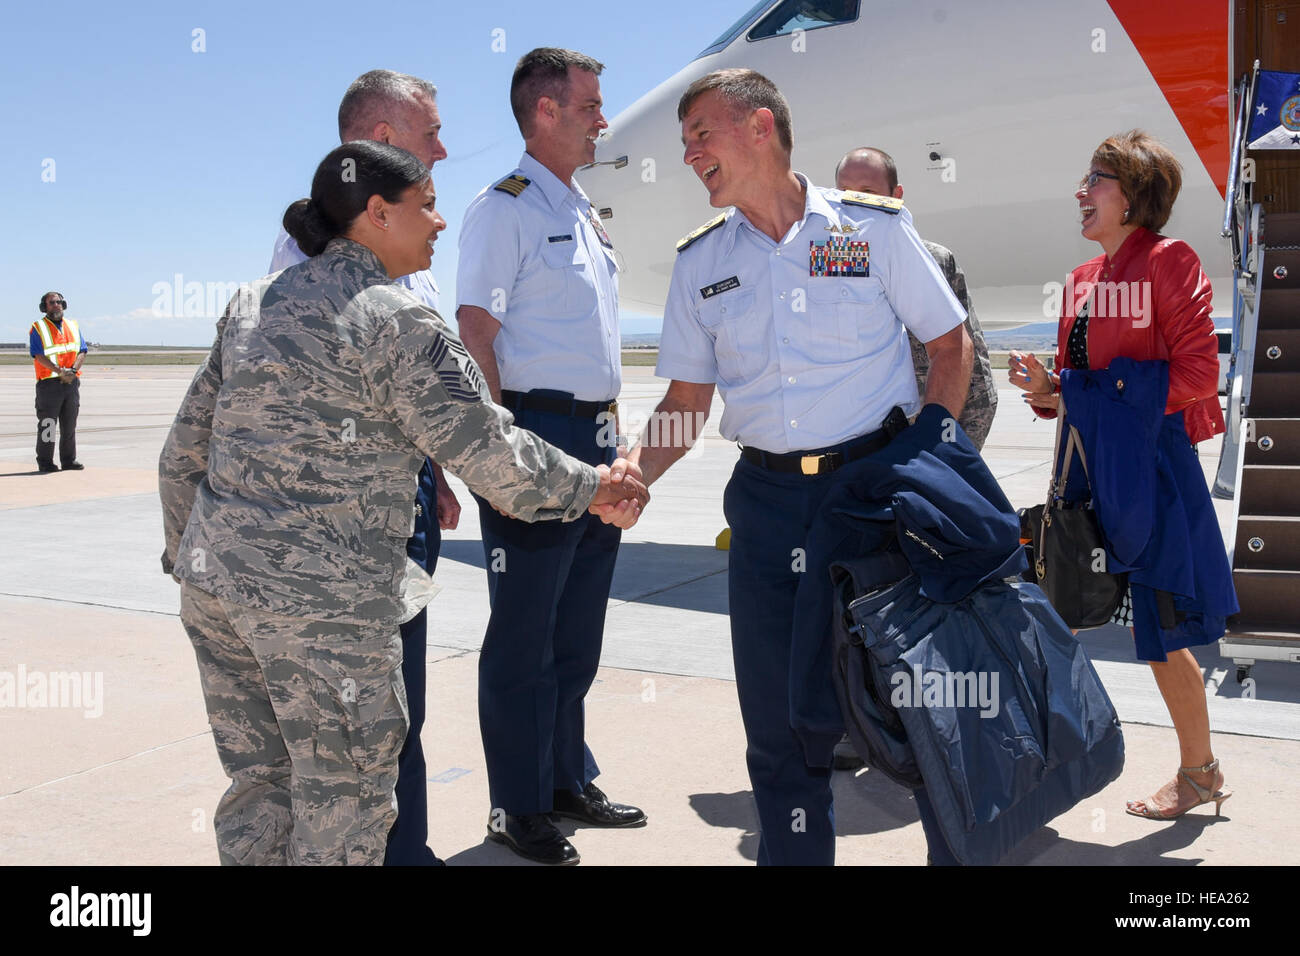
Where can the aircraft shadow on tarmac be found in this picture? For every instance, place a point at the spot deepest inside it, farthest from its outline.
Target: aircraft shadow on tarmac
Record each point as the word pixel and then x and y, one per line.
pixel 692 577
pixel 868 802
pixel 865 802
pixel 1048 848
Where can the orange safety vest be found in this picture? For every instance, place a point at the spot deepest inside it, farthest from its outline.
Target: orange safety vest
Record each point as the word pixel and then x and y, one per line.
pixel 61 345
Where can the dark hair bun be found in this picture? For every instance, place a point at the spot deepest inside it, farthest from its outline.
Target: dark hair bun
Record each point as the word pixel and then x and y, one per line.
pixel 344 182
pixel 305 222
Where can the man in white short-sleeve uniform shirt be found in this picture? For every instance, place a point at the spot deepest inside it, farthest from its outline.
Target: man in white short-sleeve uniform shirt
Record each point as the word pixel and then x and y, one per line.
pixel 537 307
pixel 794 305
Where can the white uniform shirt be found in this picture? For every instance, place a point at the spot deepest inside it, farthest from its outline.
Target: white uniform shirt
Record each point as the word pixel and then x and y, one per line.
pixel 536 260
pixel 804 361
pixel 288 254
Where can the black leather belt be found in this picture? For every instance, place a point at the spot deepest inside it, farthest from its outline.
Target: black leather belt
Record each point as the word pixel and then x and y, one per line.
pixel 555 405
pixel 825 460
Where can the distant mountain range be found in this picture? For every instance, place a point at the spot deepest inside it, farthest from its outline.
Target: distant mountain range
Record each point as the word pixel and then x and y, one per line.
pixel 1034 337
pixel 645 340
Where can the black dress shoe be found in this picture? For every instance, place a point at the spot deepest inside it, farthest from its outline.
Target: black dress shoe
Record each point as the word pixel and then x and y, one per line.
pixel 46 469
pixel 534 837
pixel 74 466
pixel 593 807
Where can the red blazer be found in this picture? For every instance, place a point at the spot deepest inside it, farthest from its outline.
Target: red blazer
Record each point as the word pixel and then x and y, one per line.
pixel 1153 302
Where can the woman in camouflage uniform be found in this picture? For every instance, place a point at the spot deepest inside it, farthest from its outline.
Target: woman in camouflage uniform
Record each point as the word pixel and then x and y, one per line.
pixel 287 483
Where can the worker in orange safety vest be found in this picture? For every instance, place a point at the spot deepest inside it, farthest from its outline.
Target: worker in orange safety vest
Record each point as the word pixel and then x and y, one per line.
pixel 57 350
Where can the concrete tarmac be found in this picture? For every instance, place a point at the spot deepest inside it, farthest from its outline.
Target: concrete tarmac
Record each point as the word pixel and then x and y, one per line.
pixel 116 765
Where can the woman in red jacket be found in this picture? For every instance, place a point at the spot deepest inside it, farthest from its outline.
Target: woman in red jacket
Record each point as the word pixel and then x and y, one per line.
pixel 1144 298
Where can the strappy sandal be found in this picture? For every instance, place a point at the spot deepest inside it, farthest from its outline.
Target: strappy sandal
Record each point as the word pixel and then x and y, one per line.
pixel 1203 795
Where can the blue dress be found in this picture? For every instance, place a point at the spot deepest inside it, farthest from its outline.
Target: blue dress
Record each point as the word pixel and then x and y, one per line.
pixel 1152 503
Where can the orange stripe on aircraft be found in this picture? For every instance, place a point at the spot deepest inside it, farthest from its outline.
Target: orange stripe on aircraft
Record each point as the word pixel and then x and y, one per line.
pixel 1185 46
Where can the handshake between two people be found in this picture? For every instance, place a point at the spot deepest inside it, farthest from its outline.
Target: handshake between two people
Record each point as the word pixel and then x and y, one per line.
pixel 619 498
pixel 621 495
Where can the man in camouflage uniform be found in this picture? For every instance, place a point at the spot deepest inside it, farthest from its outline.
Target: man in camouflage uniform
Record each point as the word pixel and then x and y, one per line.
pixel 870 170
pixel 286 491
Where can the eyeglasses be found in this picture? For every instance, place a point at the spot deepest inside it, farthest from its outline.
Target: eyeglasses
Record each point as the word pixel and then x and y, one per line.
pixel 58 302
pixel 1087 182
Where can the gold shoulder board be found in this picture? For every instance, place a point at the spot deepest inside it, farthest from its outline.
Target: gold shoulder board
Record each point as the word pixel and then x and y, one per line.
pixel 708 227
pixel 884 203
pixel 513 184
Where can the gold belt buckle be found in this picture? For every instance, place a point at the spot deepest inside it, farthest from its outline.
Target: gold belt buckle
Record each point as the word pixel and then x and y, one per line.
pixel 810 464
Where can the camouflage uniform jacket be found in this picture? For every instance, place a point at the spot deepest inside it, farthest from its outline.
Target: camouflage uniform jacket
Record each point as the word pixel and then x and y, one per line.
pixel 288 477
pixel 982 401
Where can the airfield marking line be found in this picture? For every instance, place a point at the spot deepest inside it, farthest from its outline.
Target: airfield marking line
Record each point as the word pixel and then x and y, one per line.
pixel 663 673
pixel 100 428
pixel 449 657
pixel 1021 471
pixel 125 415
pixel 80 773
pixel 1217 731
pixel 112 607
pixel 613 667
pixel 641 597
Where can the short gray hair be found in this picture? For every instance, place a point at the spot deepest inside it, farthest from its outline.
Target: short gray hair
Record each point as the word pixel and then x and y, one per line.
pixel 743 89
pixel 544 72
pixel 372 95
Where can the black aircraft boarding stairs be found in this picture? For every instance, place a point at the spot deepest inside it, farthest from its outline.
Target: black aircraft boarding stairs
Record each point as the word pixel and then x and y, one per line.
pixel 1263 442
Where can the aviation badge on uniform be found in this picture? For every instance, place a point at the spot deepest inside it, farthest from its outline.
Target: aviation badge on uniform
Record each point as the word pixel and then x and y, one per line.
pixel 841 257
pixel 600 230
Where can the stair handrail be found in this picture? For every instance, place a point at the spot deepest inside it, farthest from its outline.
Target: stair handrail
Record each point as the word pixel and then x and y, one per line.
pixel 1234 162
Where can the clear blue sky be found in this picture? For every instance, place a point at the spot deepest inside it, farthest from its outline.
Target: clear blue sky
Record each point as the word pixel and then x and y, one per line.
pixel 168 161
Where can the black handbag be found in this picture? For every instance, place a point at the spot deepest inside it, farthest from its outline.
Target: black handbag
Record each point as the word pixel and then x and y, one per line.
pixel 1069 552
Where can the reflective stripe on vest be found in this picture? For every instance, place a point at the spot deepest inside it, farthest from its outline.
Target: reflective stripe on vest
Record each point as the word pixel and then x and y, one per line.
pixel 61 346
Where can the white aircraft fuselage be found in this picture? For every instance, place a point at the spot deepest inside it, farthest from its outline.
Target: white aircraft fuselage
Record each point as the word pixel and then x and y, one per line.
pixel 1011 97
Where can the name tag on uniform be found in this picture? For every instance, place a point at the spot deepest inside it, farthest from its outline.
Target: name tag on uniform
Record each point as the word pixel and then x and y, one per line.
pixel 839 257
pixel 723 286
pixel 559 238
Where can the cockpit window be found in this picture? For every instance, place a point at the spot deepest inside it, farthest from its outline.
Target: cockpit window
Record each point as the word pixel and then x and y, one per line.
pixel 736 29
pixel 804 15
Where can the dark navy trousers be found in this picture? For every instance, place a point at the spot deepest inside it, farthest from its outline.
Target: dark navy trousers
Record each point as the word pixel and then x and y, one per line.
pixel 548 583
pixel 409 837
pixel 940 854
pixel 769 515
